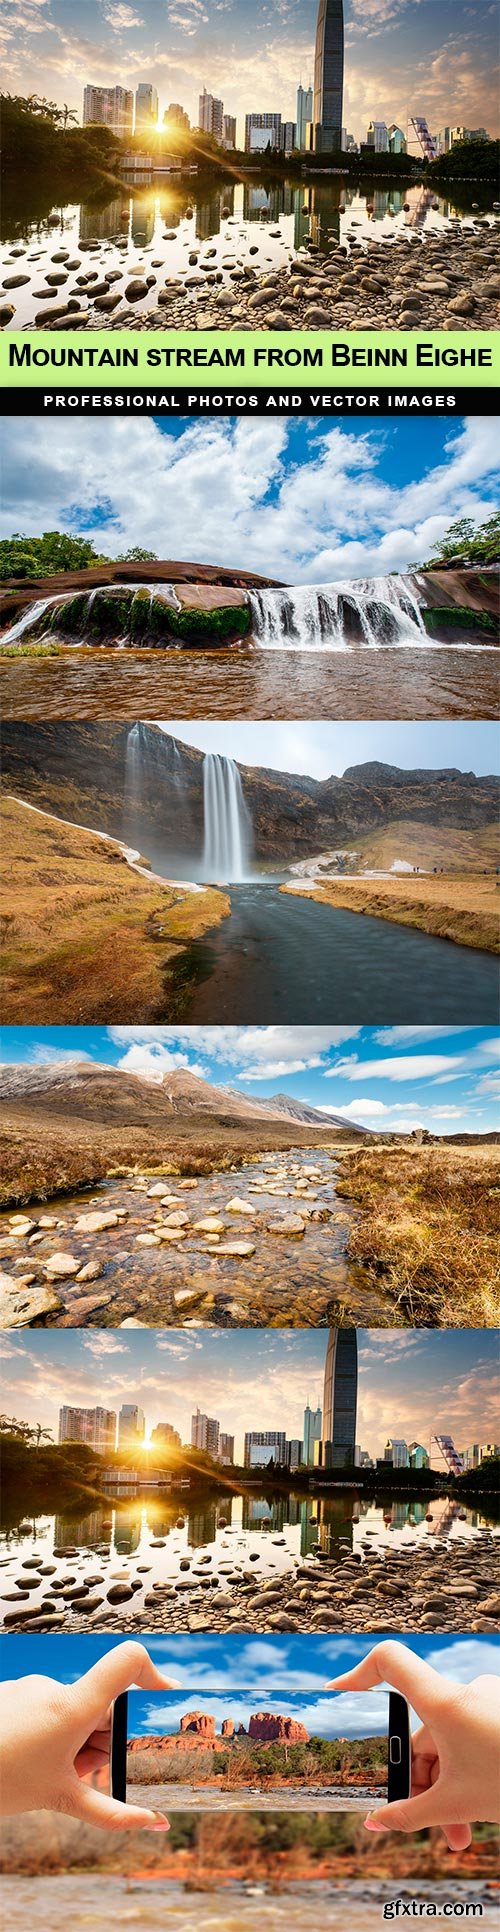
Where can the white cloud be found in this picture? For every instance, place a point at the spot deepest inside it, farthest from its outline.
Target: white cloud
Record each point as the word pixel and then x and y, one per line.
pixel 235 490
pixel 410 1067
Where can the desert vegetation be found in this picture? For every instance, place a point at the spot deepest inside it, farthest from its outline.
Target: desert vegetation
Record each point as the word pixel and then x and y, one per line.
pixel 205 1851
pixel 427 1224
pixel 320 1761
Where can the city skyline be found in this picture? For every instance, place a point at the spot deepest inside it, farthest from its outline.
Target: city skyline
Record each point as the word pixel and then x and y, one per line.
pixel 411 1382
pixel 437 59
pixel 387 1079
pixel 299 501
pixel 222 1667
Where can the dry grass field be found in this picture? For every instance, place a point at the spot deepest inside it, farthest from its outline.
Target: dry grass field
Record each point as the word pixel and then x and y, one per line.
pixel 427 1225
pixel 45 1154
pixel 85 938
pixel 462 906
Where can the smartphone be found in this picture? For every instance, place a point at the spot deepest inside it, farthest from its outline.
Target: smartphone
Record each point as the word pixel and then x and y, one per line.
pixel 118 1751
pixel 399 1749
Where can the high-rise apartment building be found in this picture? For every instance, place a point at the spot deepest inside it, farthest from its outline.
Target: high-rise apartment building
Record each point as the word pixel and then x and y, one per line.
pixel 263 1446
pixel 165 1436
pixel 328 77
pixel 229 131
pixel 131 1426
pixel 226 1447
pixel 378 137
pixel 111 107
pixel 146 108
pixel 211 115
pixel 263 131
pixel 175 117
pixel 205 1432
pixel 396 1452
pixel 97 1427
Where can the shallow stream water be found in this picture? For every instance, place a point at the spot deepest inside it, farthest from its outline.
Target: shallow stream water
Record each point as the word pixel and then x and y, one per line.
pixel 221 1539
pixel 242 683
pixel 102 1901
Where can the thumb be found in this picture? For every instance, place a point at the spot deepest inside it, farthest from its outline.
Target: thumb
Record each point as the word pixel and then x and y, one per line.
pixel 459 1837
pixel 412 1814
pixel 96 1808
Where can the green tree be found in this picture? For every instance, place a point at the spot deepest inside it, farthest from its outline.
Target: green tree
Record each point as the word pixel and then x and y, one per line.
pixel 136 555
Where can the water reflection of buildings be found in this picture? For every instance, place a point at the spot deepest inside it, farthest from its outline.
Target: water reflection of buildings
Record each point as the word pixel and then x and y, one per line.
pixel 204 1522
pixel 209 213
pixel 328 1522
pixel 142 225
pixel 267 204
pixel 127 1532
pixel 105 223
pixel 82 1533
pixel 259 1513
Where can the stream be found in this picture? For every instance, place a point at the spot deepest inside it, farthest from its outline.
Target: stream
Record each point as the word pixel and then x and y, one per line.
pixel 282 957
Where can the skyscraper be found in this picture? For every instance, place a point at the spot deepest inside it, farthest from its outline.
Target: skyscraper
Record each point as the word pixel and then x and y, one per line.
pixel 337 1446
pixel 205 1431
pixel 312 1433
pixel 328 77
pixel 304 115
pixel 146 107
pixel 131 1426
pixel 263 1446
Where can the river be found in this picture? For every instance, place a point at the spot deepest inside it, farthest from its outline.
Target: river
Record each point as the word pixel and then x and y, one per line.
pixel 240 683
pixel 157 228
pixel 282 957
pixel 100 1902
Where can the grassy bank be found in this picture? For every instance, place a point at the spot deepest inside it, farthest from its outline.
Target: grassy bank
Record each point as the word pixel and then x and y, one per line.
pixel 462 907
pixel 427 1225
pixel 49 1153
pixel 84 937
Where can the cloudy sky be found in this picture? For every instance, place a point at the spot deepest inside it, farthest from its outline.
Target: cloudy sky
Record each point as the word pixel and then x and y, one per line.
pixel 391 1078
pixel 301 502
pixel 412 1383
pixel 323 750
pixel 296 1667
pixel 433 57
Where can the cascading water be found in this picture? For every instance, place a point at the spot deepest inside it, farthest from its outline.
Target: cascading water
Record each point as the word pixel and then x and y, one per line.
pixel 371 613
pixel 74 612
pixel 227 822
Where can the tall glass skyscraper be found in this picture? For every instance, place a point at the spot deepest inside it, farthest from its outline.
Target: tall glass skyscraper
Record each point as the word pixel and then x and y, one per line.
pixel 328 76
pixel 338 1442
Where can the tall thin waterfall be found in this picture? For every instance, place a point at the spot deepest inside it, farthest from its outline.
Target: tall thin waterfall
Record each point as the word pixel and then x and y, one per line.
pixel 371 612
pixel 228 826
pixel 133 769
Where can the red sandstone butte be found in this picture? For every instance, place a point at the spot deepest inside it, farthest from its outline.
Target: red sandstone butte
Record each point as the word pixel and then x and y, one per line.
pixel 199 1725
pixel 270 1729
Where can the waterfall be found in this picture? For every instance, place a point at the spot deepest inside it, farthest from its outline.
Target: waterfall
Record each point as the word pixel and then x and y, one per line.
pixel 133 772
pixel 162 593
pixel 30 617
pixel 227 840
pixel 370 613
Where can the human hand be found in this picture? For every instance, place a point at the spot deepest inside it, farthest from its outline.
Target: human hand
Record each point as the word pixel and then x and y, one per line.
pixel 455 1774
pixel 55 1736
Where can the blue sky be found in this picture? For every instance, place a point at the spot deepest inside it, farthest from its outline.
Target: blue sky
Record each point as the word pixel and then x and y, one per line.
pixel 283 1673
pixel 434 56
pixel 412 1383
pixel 302 502
pixel 390 1078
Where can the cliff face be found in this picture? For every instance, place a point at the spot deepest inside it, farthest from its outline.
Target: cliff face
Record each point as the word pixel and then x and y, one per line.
pixel 198 1728
pixel 270 1729
pixel 150 790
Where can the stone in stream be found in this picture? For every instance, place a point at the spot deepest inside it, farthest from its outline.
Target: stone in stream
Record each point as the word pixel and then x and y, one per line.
pixel 212 1225
pixel 97 1222
pixel 147 1240
pixel 179 1219
pixel 239 1206
pixel 91 1271
pixel 290 1224
pixel 21 1304
pixel 60 1266
pixel 241 1248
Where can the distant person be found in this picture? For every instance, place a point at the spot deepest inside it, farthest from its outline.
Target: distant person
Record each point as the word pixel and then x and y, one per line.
pixel 455 1753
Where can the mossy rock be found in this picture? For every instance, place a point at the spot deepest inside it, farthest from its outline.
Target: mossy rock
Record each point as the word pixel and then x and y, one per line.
pixel 439 617
pixel 211 626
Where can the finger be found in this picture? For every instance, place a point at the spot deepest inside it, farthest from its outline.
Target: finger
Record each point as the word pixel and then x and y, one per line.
pixel 459 1837
pixel 412 1814
pixel 96 1808
pixel 395 1664
pixel 128 1664
pixel 88 1760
